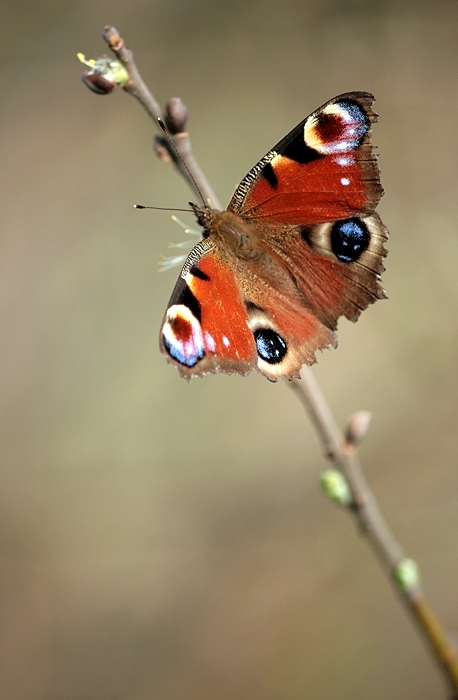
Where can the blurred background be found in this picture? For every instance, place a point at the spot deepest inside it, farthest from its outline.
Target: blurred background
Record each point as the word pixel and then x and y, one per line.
pixel 168 540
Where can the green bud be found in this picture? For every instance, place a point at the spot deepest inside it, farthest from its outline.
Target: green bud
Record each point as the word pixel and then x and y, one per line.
pixel 407 574
pixel 104 74
pixel 335 487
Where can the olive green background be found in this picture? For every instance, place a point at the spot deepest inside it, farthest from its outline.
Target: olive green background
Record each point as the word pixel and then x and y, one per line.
pixel 160 539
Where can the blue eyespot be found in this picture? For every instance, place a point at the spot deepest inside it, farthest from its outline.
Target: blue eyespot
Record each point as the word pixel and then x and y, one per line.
pixel 270 346
pixel 349 239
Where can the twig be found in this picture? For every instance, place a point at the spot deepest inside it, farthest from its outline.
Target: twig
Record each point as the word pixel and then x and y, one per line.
pixel 343 453
pixel 136 87
pixel 353 490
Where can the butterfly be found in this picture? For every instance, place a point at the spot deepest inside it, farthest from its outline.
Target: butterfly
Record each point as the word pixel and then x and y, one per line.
pixel 298 246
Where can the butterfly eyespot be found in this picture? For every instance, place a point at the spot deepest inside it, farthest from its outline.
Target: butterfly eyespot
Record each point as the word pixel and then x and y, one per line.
pixel 270 346
pixel 182 336
pixel 349 239
pixel 339 127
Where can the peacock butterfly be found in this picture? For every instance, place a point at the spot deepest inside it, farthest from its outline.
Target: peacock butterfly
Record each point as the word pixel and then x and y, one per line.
pixel 298 246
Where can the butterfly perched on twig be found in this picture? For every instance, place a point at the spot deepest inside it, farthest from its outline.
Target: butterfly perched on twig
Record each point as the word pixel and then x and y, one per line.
pixel 298 246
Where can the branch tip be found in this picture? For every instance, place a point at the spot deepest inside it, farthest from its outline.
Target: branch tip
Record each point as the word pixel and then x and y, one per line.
pixel 113 38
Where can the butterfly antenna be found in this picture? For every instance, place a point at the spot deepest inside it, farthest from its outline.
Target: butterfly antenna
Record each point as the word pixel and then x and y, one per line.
pixel 182 161
pixel 143 206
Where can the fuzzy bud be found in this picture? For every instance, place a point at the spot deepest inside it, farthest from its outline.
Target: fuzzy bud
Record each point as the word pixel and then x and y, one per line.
pixel 104 75
pixel 357 427
pixel 175 116
pixel 335 487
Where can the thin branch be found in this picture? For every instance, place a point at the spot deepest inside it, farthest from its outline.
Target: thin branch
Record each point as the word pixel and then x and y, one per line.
pixel 363 505
pixel 344 456
pixel 341 451
pixel 137 87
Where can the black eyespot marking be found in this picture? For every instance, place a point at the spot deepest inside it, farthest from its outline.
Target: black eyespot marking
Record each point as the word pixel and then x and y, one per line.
pixel 251 306
pixel 270 346
pixel 349 239
pixel 268 173
pixel 298 150
pixel 188 299
pixel 305 234
pixel 197 272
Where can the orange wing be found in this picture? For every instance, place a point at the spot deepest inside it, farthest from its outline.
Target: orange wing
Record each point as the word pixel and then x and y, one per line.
pixel 324 169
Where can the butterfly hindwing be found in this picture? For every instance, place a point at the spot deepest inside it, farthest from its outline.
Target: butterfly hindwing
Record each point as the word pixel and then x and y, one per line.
pixel 226 318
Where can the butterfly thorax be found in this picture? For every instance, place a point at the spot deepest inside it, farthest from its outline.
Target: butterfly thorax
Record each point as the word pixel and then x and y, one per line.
pixel 229 231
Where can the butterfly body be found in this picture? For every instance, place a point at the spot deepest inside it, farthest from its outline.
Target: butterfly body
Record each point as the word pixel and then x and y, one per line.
pixel 298 246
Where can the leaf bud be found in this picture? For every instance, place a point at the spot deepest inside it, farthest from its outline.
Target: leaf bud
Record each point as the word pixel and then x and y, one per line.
pixel 407 574
pixel 104 74
pixel 175 116
pixel 335 487
pixel 357 427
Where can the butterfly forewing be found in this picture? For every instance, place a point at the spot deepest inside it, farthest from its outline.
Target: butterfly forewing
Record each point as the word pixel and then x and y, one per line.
pixel 324 169
pixel 205 326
